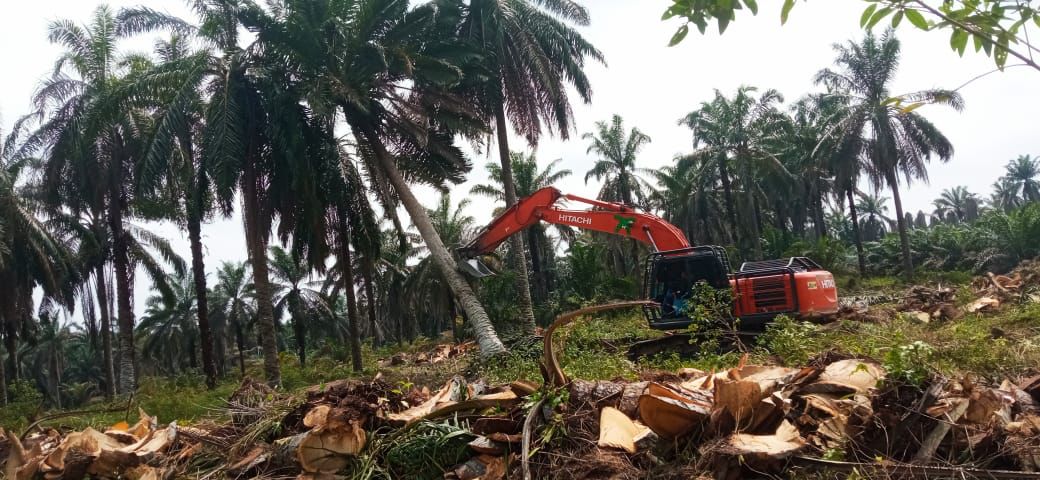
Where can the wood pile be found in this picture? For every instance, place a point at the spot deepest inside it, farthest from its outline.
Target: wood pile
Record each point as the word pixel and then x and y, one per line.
pixel 740 422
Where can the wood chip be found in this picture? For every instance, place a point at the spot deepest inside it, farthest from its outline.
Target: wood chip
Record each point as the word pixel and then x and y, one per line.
pixel 616 430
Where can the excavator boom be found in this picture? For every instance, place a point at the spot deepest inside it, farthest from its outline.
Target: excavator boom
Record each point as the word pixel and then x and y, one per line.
pixel 607 217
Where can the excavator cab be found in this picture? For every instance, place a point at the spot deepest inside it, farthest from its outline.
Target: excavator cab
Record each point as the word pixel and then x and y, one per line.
pixel 669 279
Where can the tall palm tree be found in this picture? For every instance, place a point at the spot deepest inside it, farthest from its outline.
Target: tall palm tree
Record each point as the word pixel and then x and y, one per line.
pixel 174 173
pixel 893 137
pixel 532 55
pixel 396 106
pixel 1023 175
pixel 958 203
pixel 740 133
pixel 91 130
pixel 31 256
pixel 234 299
pixel 528 178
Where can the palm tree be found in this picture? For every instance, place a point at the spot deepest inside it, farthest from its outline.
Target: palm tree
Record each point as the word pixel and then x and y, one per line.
pixel 528 179
pixel 741 132
pixel 1022 176
pixel 616 168
pixel 52 339
pixel 294 295
pixel 427 288
pixel 235 300
pixel 532 56
pixel 398 115
pixel 875 216
pixel 1005 194
pixel 174 174
pixel 31 256
pixel 958 203
pixel 687 197
pixel 91 128
pixel 168 330
pixel 893 138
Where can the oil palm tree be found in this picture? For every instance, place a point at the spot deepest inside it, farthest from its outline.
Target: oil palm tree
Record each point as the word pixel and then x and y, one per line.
pixel 91 127
pixel 617 150
pixel 875 217
pixel 168 329
pixel 1005 194
pixel 894 139
pixel 957 203
pixel 234 299
pixel 396 106
pixel 294 294
pixel 427 289
pixel 687 197
pixel 31 255
pixel 532 56
pixel 1023 175
pixel 527 179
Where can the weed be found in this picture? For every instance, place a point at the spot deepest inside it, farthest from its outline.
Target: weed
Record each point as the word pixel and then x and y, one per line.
pixel 909 363
pixel 793 341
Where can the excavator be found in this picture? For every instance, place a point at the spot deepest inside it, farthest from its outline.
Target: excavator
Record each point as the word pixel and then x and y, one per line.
pixel 762 290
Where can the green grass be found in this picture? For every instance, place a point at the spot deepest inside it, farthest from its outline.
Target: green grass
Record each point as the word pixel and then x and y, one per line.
pixel 990 346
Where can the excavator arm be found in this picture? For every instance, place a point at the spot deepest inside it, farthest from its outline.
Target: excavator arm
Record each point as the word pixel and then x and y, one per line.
pixel 607 217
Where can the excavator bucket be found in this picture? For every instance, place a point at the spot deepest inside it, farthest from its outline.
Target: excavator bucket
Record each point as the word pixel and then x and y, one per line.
pixel 475 268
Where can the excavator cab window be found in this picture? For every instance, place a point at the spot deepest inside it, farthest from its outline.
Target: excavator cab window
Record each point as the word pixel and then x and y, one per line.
pixel 673 278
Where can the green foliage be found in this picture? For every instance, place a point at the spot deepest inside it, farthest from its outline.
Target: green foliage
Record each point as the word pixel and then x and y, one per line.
pixel 831 253
pixel 427 449
pixel 793 342
pixel 909 363
pixel 995 27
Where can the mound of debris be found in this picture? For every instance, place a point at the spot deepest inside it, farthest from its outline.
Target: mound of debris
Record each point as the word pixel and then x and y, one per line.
pixel 744 421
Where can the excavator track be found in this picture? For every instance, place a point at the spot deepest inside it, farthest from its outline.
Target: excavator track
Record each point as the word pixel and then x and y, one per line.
pixel 689 344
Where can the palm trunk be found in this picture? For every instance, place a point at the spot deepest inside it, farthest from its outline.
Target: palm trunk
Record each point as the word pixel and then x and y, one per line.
pixel 55 376
pixel 192 359
pixel 366 276
pixel 124 309
pixel 3 385
pixel 756 221
pixel 256 244
pixel 516 243
pixel 490 345
pixel 300 332
pixel 856 236
pixel 240 342
pixel 107 367
pixel 904 238
pixel 198 270
pixel 727 190
pixel 347 274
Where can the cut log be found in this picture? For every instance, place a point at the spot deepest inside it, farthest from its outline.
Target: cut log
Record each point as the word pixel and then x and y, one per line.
pixel 735 405
pixel 616 430
pixel 670 414
pixel 327 451
pixel 846 377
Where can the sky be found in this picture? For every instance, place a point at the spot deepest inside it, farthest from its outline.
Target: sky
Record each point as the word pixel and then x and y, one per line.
pixel 651 85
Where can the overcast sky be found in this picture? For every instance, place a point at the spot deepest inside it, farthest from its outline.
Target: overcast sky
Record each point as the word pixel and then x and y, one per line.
pixel 651 86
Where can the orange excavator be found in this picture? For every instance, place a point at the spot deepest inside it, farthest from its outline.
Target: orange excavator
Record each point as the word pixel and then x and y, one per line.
pixel 795 286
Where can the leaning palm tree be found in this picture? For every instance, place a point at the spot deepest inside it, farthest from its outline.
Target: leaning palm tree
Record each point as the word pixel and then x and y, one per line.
pixel 528 178
pixel 532 55
pixel 1023 175
pixel 395 104
pixel 957 203
pixel 894 139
